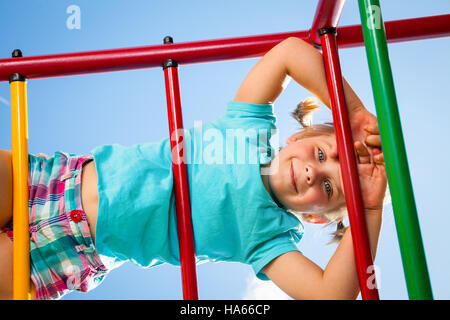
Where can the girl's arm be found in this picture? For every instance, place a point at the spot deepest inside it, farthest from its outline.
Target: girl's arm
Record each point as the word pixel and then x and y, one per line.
pixel 302 279
pixel 291 58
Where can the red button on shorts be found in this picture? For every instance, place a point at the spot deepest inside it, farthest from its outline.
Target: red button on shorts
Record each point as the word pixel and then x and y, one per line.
pixel 75 215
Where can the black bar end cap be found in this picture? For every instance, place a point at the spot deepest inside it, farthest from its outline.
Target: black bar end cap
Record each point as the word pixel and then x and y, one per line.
pixel 16 53
pixel 168 39
pixel 169 63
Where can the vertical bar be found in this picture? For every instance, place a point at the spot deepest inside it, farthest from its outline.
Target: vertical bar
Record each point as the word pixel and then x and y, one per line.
pixel 405 212
pixel 355 207
pixel 21 244
pixel 181 183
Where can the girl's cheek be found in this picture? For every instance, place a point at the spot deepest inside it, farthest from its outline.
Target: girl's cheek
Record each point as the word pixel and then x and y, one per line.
pixel 316 200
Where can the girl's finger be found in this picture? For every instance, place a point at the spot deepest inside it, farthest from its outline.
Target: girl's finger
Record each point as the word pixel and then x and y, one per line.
pixel 362 152
pixel 372 129
pixel 374 140
pixel 361 149
pixel 379 158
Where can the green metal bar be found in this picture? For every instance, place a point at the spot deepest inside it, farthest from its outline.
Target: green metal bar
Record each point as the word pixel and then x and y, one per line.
pixel 405 211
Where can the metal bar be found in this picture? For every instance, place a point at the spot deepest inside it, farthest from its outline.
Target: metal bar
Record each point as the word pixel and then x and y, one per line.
pixel 350 178
pixel 405 212
pixel 181 182
pixel 21 243
pixel 327 15
pixel 204 51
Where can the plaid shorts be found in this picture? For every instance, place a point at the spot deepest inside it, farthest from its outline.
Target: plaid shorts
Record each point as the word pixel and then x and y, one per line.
pixel 63 255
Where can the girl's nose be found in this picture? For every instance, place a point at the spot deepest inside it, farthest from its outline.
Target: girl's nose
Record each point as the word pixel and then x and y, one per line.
pixel 309 174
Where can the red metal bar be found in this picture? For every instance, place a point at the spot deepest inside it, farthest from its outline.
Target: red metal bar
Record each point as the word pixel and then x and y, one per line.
pixel 355 207
pixel 399 31
pixel 327 15
pixel 181 184
pixel 204 51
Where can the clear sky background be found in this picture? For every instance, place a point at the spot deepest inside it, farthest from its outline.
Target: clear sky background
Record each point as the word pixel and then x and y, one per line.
pixel 76 114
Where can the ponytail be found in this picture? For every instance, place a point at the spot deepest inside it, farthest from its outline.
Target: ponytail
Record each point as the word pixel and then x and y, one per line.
pixel 339 233
pixel 303 112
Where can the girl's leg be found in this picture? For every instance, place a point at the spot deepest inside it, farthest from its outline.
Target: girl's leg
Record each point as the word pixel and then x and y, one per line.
pixel 6 245
pixel 5 187
pixel 6 269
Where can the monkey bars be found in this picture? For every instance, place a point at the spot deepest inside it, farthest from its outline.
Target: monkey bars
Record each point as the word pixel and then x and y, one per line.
pixel 323 34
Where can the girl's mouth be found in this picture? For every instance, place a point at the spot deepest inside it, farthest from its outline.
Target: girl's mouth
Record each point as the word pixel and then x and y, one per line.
pixel 293 180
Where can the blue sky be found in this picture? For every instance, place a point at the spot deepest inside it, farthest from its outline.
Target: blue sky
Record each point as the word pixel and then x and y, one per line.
pixel 76 114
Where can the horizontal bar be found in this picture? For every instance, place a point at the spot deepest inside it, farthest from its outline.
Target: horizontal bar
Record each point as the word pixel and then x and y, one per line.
pixel 399 31
pixel 327 15
pixel 47 66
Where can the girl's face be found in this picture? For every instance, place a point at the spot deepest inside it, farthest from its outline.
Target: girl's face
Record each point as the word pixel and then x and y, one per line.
pixel 307 175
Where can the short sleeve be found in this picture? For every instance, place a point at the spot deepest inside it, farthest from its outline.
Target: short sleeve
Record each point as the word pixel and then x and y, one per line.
pixel 270 249
pixel 236 109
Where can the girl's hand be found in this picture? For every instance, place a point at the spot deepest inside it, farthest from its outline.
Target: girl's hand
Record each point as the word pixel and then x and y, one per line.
pixel 365 128
pixel 372 177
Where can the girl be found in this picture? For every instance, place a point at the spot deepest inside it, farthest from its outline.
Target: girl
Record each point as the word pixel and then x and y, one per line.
pixel 88 214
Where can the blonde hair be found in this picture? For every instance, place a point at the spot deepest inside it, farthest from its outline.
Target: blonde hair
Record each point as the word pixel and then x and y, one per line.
pixel 303 114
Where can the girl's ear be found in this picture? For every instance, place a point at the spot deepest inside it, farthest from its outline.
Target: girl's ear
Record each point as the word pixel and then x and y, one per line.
pixel 313 218
pixel 294 137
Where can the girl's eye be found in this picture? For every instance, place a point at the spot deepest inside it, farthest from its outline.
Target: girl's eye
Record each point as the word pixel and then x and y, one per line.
pixel 321 156
pixel 328 188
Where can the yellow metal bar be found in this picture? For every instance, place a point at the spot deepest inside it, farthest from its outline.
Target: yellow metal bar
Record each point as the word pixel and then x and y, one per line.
pixel 21 249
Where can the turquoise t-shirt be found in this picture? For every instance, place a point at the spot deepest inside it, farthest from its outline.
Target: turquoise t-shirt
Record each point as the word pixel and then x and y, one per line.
pixel 234 217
